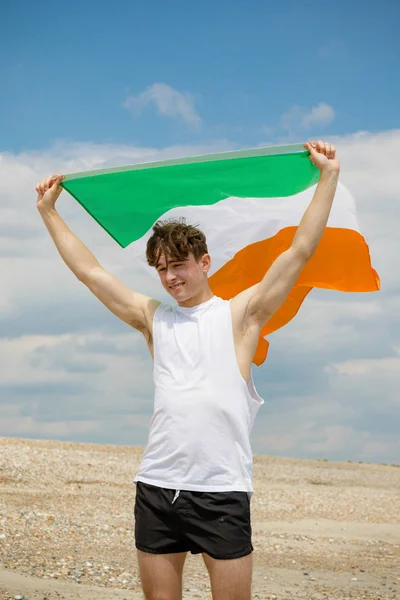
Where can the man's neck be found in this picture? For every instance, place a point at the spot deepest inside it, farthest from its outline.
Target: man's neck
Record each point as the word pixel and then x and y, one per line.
pixel 200 298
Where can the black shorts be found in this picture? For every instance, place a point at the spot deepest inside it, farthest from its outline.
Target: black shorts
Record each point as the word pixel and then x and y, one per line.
pixel 217 523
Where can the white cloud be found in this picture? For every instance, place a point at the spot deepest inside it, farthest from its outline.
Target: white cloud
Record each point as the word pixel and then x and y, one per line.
pixel 293 124
pixel 389 366
pixel 70 369
pixel 168 102
pixel 322 114
pixel 298 118
pixel 26 427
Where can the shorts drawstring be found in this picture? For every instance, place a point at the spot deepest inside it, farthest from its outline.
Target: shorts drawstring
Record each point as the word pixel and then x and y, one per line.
pixel 177 492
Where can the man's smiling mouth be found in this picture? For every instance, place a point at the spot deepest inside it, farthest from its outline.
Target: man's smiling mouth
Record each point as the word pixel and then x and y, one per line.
pixel 177 286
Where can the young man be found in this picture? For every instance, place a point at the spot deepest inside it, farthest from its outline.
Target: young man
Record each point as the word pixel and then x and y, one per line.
pixel 195 481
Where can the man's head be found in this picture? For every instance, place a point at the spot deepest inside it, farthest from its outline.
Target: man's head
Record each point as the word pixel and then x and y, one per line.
pixel 179 253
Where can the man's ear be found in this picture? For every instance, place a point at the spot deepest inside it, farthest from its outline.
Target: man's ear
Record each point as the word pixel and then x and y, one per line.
pixel 205 263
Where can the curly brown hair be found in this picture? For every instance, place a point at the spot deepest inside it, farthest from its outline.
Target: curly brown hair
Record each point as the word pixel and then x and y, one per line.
pixel 176 239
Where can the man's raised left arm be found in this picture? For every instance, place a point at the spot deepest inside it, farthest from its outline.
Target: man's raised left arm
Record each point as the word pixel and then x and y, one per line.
pixel 264 298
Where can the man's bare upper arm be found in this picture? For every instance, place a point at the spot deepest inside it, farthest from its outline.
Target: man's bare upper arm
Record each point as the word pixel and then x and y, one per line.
pixel 255 305
pixel 269 295
pixel 131 307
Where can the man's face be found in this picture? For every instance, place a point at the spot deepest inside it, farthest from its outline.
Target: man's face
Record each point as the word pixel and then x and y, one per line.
pixel 183 279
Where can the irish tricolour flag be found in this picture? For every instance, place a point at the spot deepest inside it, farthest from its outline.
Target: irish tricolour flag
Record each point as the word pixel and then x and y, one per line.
pixel 248 203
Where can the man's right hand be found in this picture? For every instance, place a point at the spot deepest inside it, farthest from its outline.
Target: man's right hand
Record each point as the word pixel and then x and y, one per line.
pixel 48 191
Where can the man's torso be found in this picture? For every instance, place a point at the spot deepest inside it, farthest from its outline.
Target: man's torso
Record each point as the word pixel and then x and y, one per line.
pixel 245 336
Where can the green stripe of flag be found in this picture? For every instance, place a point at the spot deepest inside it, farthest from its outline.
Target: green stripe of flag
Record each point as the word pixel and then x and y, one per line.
pixel 127 201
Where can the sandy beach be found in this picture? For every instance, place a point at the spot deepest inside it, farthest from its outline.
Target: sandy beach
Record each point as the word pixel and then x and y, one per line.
pixel 320 529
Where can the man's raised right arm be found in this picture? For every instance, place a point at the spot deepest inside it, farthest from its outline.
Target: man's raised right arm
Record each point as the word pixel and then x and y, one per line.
pixel 131 307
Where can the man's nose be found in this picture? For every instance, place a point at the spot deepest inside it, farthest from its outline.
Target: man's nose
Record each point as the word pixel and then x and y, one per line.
pixel 170 276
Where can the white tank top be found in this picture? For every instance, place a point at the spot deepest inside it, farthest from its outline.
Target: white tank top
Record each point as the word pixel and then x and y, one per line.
pixel 204 410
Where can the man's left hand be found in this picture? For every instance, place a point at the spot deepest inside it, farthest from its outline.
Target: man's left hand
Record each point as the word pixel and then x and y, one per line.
pixel 323 156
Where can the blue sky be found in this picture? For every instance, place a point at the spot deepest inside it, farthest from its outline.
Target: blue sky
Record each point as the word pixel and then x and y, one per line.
pixel 66 69
pixel 95 84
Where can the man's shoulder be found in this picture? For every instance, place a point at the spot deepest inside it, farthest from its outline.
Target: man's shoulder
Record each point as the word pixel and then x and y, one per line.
pixel 163 309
